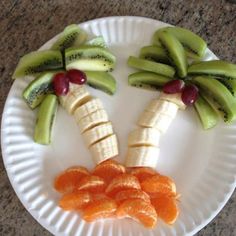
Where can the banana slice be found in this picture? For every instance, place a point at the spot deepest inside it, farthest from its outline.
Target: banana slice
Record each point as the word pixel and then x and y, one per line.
pixel 92 120
pixel 105 149
pixel 144 137
pixel 76 96
pixel 142 156
pixel 156 120
pixel 175 98
pixel 162 106
pixel 88 108
pixel 97 133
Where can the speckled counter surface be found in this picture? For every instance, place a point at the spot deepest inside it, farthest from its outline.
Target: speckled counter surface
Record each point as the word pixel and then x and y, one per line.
pixel 25 25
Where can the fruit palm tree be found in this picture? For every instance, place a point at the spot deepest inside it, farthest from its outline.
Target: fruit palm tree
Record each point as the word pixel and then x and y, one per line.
pixel 173 64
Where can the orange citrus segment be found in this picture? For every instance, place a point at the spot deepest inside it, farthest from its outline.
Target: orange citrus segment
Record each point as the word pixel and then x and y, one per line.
pixel 75 200
pixel 102 208
pixel 69 179
pixel 92 184
pixel 99 196
pixel 122 182
pixel 166 208
pixel 131 194
pixel 139 210
pixel 108 170
pixel 143 173
pixel 159 184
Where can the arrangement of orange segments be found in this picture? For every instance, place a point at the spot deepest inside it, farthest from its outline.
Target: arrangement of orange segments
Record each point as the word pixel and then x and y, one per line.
pixel 111 190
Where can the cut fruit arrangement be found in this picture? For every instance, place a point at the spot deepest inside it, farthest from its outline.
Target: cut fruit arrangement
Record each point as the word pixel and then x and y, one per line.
pixel 61 74
pixel 173 64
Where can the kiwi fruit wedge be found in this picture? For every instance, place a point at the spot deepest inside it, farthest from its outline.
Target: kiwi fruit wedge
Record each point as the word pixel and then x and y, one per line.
pixel 212 87
pixel 72 35
pixel 206 113
pixel 89 57
pixel 154 53
pixel 175 51
pixel 97 41
pixel 101 80
pixel 214 104
pixel 45 119
pixel 217 68
pixel 194 45
pixel 151 66
pixel 230 84
pixel 145 79
pixel 37 62
pixel 35 92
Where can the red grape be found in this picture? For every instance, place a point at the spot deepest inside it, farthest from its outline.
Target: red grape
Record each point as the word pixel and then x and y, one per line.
pixel 76 76
pixel 173 86
pixel 189 94
pixel 61 84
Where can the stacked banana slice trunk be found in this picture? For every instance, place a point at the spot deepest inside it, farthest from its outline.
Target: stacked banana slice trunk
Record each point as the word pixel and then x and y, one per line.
pixel 93 122
pixel 143 142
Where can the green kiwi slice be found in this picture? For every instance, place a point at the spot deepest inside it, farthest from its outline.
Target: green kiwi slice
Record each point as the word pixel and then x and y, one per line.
pixel 102 81
pixel 222 96
pixel 214 104
pixel 97 41
pixel 175 51
pixel 37 62
pixel 230 84
pixel 155 53
pixel 88 57
pixel 151 66
pixel 72 35
pixel 195 46
pixel 147 80
pixel 45 119
pixel 206 113
pixel 215 68
pixel 35 92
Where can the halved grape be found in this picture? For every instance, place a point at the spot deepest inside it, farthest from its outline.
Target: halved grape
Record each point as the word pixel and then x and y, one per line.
pixel 174 86
pixel 189 94
pixel 76 76
pixel 61 84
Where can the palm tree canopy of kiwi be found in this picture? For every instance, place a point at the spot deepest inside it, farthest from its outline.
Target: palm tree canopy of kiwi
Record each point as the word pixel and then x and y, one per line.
pixel 177 54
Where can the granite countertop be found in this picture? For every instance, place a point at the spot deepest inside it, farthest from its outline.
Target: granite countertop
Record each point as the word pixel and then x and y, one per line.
pixel 26 24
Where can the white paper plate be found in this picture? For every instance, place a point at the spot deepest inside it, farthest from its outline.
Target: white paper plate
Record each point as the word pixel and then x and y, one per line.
pixel 201 163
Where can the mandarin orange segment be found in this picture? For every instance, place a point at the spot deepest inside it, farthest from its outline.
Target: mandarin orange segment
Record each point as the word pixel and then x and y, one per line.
pixel 159 184
pixel 102 208
pixel 139 210
pixel 122 182
pixel 132 194
pixel 143 173
pixel 68 180
pixel 75 200
pixel 108 170
pixel 99 196
pixel 166 208
pixel 92 184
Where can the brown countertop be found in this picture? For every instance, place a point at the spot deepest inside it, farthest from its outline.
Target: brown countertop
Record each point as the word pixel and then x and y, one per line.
pixel 25 25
